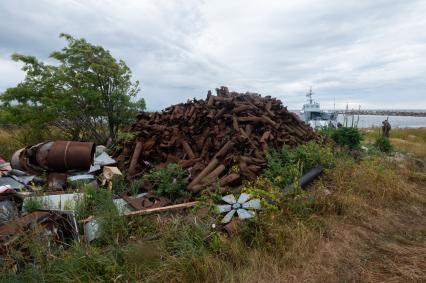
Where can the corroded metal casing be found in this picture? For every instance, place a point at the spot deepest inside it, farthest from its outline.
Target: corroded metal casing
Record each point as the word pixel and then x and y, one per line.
pixel 70 155
pixel 56 156
pixel 15 162
pixel 56 181
pixel 42 152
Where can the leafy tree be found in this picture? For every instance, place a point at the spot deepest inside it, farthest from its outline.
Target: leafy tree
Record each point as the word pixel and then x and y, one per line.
pixel 88 95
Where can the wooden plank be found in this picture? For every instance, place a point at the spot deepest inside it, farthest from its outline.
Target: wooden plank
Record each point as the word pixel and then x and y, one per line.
pixel 162 209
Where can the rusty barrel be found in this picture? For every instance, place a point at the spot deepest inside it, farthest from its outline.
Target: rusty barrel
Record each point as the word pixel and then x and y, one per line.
pixel 69 155
pixel 15 162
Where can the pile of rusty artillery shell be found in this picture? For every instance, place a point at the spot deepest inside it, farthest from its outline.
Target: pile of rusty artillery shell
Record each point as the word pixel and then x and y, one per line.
pixel 223 139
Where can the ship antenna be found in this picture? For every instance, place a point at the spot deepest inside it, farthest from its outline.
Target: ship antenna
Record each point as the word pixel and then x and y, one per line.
pixel 310 95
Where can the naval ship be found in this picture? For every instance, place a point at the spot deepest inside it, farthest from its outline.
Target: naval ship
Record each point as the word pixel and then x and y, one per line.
pixel 313 115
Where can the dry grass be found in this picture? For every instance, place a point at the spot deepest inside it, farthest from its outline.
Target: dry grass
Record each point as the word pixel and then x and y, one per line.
pixel 407 146
pixel 8 144
pixel 413 134
pixel 373 230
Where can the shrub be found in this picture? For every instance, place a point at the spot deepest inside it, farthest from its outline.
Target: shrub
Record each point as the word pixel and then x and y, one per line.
pixel 169 181
pixel 263 189
pixel 383 144
pixel 286 165
pixel 345 136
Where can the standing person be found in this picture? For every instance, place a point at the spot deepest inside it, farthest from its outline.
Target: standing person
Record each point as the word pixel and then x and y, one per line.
pixel 386 127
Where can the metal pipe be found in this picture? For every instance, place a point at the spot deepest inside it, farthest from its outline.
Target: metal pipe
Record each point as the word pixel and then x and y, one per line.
pixel 305 180
pixel 135 158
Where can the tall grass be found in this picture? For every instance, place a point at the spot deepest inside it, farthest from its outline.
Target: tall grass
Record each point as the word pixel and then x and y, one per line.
pixel 412 134
pixel 8 144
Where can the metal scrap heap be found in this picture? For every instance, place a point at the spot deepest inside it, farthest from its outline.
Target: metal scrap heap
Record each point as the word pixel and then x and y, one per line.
pixel 220 140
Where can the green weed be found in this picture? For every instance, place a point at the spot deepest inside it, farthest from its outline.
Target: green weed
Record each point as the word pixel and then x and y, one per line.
pixel 285 166
pixel 32 204
pixel 346 136
pixel 383 144
pixel 169 181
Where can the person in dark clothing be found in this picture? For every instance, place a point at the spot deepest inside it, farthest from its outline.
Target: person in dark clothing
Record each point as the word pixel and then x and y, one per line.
pixel 386 127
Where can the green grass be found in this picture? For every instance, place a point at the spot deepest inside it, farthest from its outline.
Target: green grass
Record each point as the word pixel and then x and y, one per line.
pixel 405 140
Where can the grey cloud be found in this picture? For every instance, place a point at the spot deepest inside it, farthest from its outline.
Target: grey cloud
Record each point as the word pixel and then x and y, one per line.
pixel 367 52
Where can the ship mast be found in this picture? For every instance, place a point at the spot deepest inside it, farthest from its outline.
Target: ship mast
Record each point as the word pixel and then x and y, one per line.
pixel 309 95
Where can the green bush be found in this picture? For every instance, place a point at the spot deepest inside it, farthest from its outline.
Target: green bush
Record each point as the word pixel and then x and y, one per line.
pixel 284 166
pixel 383 144
pixel 169 181
pixel 345 136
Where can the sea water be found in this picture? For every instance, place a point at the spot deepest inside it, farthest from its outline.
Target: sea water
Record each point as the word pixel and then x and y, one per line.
pixel 368 121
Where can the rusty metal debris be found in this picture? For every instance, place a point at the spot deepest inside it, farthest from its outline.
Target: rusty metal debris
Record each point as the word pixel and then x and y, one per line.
pixel 58 227
pixel 10 204
pixel 56 156
pixel 66 165
pixel 56 181
pixel 223 139
pixel 135 202
pixel 65 155
pixel 145 201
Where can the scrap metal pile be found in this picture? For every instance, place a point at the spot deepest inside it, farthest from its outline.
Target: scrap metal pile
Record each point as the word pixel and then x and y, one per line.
pixel 221 139
pixel 48 174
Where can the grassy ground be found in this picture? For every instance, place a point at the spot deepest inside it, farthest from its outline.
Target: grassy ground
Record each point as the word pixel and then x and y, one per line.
pixel 363 221
pixel 410 141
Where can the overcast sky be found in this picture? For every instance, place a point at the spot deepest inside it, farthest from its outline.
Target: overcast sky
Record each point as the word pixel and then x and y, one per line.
pixel 368 53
